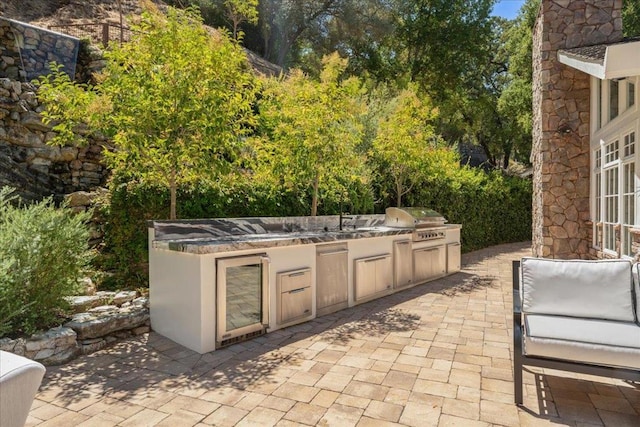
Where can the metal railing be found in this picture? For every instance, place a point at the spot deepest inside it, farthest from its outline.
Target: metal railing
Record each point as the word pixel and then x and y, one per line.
pixel 103 33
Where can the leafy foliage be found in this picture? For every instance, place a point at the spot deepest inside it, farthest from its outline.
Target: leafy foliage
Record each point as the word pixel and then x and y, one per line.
pixel 403 139
pixel 311 130
pixel 445 40
pixel 239 11
pixel 631 18
pixel 133 203
pixel 492 208
pixel 44 252
pixel 175 100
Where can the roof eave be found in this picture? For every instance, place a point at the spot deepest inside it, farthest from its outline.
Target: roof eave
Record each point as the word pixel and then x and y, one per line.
pixel 591 67
pixel 620 61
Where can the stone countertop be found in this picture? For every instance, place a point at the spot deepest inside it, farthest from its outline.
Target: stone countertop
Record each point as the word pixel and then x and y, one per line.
pixel 234 234
pixel 272 240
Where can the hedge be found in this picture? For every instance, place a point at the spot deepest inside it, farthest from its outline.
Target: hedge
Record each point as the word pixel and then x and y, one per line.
pixel 492 209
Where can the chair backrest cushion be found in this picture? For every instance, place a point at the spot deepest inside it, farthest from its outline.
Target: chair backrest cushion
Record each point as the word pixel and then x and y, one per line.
pixel 577 288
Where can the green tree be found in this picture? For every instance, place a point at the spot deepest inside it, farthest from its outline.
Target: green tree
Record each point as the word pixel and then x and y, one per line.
pixel 176 102
pixel 631 18
pixel 404 136
pixel 239 11
pixel 311 130
pixel 516 99
pixel 444 41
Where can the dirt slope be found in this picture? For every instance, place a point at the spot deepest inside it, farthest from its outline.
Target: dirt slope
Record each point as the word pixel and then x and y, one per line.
pixel 48 12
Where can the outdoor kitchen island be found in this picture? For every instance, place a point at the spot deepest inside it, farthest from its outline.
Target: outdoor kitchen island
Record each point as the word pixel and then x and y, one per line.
pixel 219 281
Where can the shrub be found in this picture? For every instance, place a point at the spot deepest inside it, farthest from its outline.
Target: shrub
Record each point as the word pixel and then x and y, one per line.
pixel 134 203
pixel 43 253
pixel 492 208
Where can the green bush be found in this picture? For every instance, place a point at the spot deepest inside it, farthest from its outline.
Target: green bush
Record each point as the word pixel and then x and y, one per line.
pixel 43 253
pixel 133 204
pixel 492 208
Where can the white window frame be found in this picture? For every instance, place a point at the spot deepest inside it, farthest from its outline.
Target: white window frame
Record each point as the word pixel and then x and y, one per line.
pixel 597 197
pixel 600 101
pixel 627 122
pixel 610 194
pixel 628 199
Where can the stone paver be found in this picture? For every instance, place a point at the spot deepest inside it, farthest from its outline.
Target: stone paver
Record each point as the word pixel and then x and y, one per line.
pixel 437 354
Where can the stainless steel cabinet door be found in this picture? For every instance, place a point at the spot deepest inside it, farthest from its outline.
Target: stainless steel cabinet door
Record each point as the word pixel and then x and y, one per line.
pixel 429 263
pixel 372 276
pixel 384 274
pixel 453 257
pixel 402 263
pixel 332 293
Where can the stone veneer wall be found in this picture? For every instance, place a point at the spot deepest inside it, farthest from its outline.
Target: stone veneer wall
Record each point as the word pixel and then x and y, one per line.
pixel 26 51
pixel 27 163
pixel 561 98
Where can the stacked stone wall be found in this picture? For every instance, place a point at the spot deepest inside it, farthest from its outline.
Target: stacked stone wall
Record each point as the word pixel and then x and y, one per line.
pixel 561 149
pixel 26 51
pixel 27 163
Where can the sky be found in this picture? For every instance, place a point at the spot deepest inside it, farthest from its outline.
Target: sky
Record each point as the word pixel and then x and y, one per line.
pixel 508 8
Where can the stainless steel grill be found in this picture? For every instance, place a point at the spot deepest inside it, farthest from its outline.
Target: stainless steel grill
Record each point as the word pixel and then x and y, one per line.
pixel 427 224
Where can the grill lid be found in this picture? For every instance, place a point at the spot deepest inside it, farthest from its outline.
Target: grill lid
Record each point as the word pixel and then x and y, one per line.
pixel 414 217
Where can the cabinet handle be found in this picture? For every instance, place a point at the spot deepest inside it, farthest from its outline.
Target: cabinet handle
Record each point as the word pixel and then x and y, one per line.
pixel 299 273
pixel 296 291
pixel 406 242
pixel 333 253
pixel 376 258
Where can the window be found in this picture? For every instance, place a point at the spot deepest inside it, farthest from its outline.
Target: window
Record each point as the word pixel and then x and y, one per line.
pixel 630 144
pixel 610 208
pixel 611 152
pixel 599 109
pixel 628 207
pixel 598 197
pixel 614 179
pixel 631 94
pixel 613 99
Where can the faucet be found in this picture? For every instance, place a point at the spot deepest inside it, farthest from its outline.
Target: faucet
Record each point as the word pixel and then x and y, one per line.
pixel 343 217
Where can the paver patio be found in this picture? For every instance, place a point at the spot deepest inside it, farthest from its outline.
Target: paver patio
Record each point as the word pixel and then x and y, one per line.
pixel 435 355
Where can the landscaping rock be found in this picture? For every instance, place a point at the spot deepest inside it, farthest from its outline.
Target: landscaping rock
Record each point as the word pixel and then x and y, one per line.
pixel 124 296
pixel 79 198
pixel 102 309
pixel 93 345
pixel 141 302
pixel 84 303
pixel 140 330
pixel 105 320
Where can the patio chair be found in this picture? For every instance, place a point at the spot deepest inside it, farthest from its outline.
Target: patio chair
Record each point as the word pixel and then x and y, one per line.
pixel 19 381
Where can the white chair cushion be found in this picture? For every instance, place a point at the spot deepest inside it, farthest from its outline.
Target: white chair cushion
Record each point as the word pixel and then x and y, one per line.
pixel 578 288
pixel 19 381
pixel 598 342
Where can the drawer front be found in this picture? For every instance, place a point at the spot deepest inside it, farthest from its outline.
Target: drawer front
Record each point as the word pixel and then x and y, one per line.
pixel 295 304
pixel 295 280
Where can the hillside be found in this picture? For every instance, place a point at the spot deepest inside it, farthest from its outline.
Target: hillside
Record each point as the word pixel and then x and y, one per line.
pixel 44 13
pixel 51 12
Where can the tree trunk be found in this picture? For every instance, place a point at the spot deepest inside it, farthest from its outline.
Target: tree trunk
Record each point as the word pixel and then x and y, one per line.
pixel 235 29
pixel 173 188
pixel 507 156
pixel 314 197
pixel 399 192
